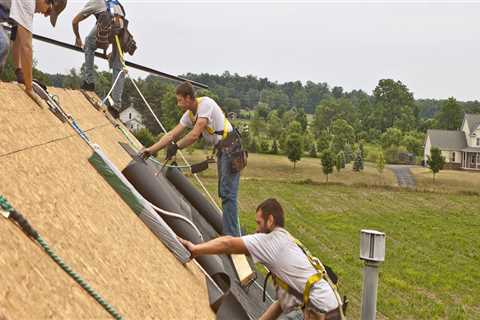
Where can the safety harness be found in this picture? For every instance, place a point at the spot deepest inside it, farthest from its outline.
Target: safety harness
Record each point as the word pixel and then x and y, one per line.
pixel 230 144
pixel 316 277
pixel 210 130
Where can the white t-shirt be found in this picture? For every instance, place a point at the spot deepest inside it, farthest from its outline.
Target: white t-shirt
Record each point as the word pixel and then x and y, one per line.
pixel 21 11
pixel 93 7
pixel 284 258
pixel 209 109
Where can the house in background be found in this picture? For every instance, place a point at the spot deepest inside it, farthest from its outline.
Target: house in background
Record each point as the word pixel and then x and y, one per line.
pixel 132 118
pixel 461 148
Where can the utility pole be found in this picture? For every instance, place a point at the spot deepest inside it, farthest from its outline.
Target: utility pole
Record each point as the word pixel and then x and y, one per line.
pixel 372 251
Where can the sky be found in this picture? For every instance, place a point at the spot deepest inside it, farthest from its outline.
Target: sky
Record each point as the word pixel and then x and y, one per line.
pixel 431 46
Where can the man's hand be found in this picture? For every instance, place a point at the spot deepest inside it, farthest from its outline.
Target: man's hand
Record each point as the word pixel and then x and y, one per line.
pixel 172 149
pixel 188 245
pixel 34 97
pixel 145 153
pixel 78 42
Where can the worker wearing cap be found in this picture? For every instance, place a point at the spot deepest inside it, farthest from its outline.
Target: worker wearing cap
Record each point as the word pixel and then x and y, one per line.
pixel 20 13
pixel 304 290
pixel 207 120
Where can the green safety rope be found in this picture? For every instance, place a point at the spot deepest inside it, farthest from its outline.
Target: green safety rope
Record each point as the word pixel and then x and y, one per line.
pixel 10 213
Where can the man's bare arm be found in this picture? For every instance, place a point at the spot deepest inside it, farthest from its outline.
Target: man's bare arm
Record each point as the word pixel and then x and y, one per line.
pixel 76 20
pixel 221 245
pixel 167 138
pixel 195 134
pixel 273 312
pixel 23 55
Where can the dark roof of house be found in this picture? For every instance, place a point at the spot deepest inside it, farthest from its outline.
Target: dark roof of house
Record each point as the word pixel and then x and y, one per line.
pixel 473 121
pixel 447 139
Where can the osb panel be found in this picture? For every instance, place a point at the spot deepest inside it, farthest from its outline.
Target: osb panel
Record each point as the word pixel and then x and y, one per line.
pixel 98 128
pixel 90 227
pixel 16 111
pixel 75 103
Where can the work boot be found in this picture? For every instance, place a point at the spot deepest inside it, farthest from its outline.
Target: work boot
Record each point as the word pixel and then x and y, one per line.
pixel 19 76
pixel 87 86
pixel 113 112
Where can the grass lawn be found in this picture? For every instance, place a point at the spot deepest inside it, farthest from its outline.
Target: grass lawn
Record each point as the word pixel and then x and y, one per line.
pixel 433 239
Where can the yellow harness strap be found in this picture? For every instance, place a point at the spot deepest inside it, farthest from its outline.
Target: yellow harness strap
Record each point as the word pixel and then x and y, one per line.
pixel 210 130
pixel 321 274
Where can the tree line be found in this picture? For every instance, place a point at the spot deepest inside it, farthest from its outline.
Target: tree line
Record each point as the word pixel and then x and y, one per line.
pixel 293 118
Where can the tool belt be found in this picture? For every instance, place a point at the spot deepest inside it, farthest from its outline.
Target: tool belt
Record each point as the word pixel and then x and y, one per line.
pixel 231 146
pixel 4 14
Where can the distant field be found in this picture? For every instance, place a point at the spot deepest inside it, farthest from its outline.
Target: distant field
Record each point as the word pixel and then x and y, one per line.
pixel 450 180
pixel 278 167
pixel 433 239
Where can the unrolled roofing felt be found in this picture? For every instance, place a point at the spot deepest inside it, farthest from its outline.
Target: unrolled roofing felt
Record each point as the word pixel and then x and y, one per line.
pixel 249 298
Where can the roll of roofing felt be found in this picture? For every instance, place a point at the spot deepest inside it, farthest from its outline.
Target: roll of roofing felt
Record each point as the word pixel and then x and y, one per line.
pixel 231 309
pixel 196 199
pixel 158 191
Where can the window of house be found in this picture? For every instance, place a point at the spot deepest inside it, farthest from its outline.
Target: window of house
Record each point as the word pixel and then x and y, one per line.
pixel 130 116
pixel 478 141
pixel 453 157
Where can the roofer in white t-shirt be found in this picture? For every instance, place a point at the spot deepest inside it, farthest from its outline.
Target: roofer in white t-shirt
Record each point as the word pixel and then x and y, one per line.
pixel 303 288
pixel 207 120
pixel 19 13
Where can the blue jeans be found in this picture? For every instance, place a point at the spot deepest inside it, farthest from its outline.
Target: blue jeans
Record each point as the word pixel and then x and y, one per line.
pixel 114 63
pixel 228 190
pixel 296 314
pixel 4 46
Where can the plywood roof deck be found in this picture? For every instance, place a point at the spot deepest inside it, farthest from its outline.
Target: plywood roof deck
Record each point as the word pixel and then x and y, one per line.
pixel 45 174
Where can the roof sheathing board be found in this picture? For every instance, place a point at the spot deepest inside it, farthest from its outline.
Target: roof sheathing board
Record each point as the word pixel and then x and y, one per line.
pixel 85 222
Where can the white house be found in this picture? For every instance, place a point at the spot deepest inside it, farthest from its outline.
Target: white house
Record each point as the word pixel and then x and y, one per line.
pixel 132 118
pixel 461 148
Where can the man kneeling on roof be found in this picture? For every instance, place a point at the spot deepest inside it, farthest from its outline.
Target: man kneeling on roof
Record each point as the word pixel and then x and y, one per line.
pixel 301 282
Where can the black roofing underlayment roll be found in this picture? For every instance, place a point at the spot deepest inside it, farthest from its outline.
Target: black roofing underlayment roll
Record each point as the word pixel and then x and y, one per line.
pixel 160 192
pixel 195 197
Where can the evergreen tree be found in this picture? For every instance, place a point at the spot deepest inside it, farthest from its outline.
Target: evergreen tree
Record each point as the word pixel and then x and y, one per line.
pixel 274 149
pixel 340 161
pixel 348 153
pixel 313 151
pixel 328 162
pixel 263 147
pixel 358 162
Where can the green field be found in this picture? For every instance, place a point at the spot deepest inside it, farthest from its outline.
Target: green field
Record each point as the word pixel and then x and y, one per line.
pixel 433 239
